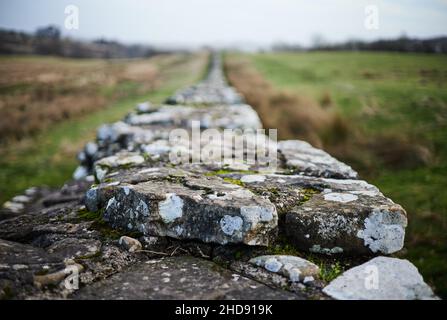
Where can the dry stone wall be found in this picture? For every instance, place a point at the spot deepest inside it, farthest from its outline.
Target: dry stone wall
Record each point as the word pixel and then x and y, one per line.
pixel 136 208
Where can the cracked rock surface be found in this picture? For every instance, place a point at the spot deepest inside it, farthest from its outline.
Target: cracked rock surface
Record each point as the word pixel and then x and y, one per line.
pixel 137 223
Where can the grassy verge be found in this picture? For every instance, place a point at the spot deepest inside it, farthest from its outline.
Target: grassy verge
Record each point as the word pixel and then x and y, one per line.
pixel 48 158
pixel 383 113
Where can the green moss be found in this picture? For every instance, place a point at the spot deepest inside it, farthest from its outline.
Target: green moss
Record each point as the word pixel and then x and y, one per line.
pixel 281 247
pixel 238 255
pixel 329 272
pixel 84 214
pixel 41 272
pixel 307 194
pixel 7 293
pixel 99 223
pixel 91 256
pixel 234 181
pixel 226 171
pixel 126 166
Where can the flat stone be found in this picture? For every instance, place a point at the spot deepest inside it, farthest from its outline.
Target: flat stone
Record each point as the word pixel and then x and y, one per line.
pixel 294 268
pixel 18 265
pixel 301 156
pixel 381 278
pixel 121 159
pixel 205 208
pixel 180 277
pixel 362 225
pixel 333 216
pixel 71 248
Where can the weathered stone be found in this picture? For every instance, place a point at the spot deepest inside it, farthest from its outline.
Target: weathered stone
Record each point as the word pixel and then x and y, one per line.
pixel 207 208
pixel 18 265
pixel 332 216
pixel 381 278
pixel 179 278
pixel 213 90
pixel 56 278
pixel 301 156
pixel 294 268
pixel 348 223
pixel 121 159
pixel 145 107
pixel 71 248
pixel 130 244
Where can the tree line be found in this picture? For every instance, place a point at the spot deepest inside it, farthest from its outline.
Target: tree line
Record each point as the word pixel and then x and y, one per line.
pixel 48 40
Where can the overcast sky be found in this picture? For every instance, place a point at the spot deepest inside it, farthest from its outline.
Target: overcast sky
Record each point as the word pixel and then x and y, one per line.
pixel 229 22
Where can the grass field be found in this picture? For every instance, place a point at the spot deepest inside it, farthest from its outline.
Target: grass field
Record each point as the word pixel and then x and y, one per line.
pixel 383 113
pixel 50 107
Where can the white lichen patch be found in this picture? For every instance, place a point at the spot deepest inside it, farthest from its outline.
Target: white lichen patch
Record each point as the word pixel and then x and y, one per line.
pixel 101 172
pixel 369 193
pixel 272 265
pixel 178 230
pixel 308 279
pixel 126 190
pixel 292 267
pixel 142 209
pixel 230 225
pixel 330 226
pixel 384 231
pixel 171 208
pixel 252 178
pixel 340 197
pixel 256 214
pixel 111 204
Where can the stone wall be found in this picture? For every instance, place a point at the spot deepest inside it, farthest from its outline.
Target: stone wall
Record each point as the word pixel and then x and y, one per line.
pixel 150 215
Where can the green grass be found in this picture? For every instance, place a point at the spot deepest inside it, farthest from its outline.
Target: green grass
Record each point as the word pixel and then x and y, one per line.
pixel 49 158
pixel 385 94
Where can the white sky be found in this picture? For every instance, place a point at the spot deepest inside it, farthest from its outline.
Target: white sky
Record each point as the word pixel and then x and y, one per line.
pixel 229 22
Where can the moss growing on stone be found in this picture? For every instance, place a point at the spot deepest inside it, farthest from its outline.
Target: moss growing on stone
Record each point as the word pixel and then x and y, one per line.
pixel 330 271
pixel 175 178
pixel 99 223
pixel 86 257
pixel 307 194
pixel 147 156
pixel 226 171
pixel 238 255
pixel 84 214
pixel 282 247
pixel 234 181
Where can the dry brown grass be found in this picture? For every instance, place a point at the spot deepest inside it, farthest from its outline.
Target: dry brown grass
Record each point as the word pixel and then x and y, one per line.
pixel 38 92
